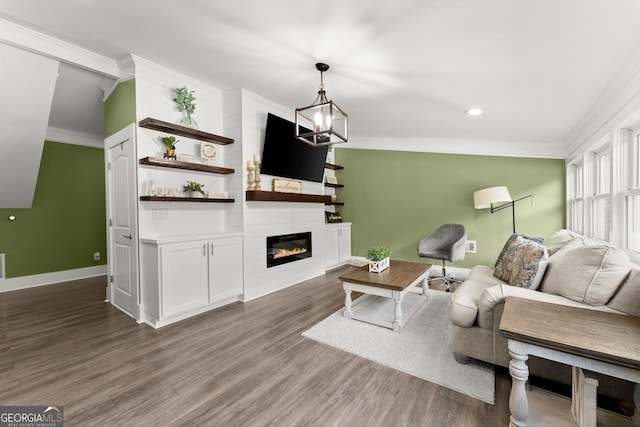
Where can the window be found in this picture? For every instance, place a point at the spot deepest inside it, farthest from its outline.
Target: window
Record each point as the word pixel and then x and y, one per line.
pixel 632 192
pixel 601 201
pixel 576 198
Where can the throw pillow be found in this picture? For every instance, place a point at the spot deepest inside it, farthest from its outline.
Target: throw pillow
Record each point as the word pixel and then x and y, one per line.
pixel 522 262
pixel 510 241
pixel 588 274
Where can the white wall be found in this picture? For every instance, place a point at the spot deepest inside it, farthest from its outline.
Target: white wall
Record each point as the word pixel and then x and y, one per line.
pixel 262 219
pixel 155 90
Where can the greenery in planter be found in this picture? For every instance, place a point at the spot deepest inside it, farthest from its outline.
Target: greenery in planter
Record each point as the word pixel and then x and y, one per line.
pixel 193 186
pixel 378 253
pixel 170 142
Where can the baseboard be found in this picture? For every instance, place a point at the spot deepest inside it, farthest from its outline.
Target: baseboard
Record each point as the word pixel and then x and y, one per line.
pixel 32 281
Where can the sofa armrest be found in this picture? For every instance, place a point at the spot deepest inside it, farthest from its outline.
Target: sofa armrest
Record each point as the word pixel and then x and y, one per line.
pixel 496 295
pixel 463 307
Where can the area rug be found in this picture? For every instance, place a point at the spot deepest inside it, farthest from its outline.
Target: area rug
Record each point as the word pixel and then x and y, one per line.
pixel 423 349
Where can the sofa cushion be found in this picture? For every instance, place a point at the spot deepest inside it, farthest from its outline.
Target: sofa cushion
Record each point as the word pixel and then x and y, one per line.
pixel 627 299
pixel 522 262
pixel 463 306
pixel 484 274
pixel 589 274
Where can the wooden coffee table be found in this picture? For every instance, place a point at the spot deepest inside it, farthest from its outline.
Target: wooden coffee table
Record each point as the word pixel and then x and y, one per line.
pixel 384 292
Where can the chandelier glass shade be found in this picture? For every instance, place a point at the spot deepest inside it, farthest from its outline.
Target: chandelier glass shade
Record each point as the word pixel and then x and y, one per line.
pixel 323 122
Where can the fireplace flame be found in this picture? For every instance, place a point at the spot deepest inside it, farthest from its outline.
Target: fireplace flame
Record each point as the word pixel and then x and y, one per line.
pixel 287 252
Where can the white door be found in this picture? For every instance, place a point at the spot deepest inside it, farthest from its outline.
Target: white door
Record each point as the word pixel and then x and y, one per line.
pixel 123 234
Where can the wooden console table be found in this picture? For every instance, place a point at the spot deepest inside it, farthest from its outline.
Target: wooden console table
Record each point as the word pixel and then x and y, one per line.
pixel 593 340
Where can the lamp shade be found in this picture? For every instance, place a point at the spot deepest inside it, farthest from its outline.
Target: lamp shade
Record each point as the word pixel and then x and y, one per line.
pixel 483 199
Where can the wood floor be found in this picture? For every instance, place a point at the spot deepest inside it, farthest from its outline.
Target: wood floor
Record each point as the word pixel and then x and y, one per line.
pixel 240 365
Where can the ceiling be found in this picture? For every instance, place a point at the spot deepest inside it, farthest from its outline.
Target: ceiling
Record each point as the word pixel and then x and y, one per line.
pixel 404 69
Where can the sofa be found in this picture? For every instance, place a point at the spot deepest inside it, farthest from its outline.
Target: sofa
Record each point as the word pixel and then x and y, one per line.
pixel 567 269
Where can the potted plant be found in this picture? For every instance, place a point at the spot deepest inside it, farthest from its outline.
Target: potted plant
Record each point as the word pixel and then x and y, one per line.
pixel 170 142
pixel 378 257
pixel 184 98
pixel 194 188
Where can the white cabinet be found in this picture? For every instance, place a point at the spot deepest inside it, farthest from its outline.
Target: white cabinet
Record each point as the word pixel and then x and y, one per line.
pixel 225 268
pixel 337 249
pixel 184 278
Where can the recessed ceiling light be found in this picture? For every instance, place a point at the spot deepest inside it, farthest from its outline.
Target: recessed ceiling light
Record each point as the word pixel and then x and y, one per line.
pixel 473 111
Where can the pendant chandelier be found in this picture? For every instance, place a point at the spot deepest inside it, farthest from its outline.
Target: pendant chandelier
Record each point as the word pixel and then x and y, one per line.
pixel 323 122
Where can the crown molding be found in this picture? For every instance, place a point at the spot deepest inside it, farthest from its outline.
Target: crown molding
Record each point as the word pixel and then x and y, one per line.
pixel 67 136
pixel 460 146
pixel 48 46
pixel 160 74
pixel 623 79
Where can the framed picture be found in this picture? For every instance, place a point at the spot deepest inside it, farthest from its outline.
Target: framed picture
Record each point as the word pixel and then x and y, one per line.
pixel 331 180
pixel 287 186
pixel 208 151
pixel 332 216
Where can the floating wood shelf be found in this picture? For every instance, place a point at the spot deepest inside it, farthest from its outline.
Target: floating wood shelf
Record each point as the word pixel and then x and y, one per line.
pixel 333 167
pixel 328 184
pixel 184 199
pixel 274 196
pixel 175 164
pixel 176 129
pixel 335 203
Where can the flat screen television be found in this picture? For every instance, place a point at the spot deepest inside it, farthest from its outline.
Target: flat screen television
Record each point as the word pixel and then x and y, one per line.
pixel 284 155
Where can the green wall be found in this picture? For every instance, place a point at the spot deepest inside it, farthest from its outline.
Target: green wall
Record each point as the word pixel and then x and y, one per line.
pixel 66 223
pixel 396 198
pixel 120 107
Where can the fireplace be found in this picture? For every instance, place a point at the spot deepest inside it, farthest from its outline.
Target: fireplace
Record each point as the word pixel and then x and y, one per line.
pixel 288 248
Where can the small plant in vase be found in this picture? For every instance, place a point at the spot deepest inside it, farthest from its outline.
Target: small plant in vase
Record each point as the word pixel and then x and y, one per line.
pixel 184 98
pixel 170 142
pixel 378 258
pixel 194 188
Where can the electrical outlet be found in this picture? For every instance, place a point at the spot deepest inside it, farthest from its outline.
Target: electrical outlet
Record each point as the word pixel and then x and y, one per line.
pixel 470 247
pixel 96 256
pixel 162 213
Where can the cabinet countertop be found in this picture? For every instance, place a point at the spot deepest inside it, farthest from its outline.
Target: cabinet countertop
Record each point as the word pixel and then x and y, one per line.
pixel 158 240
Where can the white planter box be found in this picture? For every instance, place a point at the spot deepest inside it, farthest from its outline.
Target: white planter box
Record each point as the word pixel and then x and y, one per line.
pixel 378 266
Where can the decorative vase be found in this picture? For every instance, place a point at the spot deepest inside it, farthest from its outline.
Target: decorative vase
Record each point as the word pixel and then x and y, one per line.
pixel 189 122
pixel 196 194
pixel 170 154
pixel 378 266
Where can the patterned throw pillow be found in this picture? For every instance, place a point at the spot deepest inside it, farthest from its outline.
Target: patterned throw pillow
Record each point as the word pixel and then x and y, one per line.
pixel 511 239
pixel 522 262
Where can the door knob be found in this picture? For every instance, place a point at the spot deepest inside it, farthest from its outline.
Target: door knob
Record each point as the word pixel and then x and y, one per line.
pixel 127 236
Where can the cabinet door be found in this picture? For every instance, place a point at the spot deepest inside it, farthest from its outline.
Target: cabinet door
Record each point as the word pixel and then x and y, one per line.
pixel 225 268
pixel 184 284
pixel 331 255
pixel 344 243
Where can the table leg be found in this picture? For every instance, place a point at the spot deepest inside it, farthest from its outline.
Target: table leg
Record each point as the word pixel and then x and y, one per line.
pixel 425 286
pixel 397 312
pixel 347 302
pixel 518 403
pixel 636 403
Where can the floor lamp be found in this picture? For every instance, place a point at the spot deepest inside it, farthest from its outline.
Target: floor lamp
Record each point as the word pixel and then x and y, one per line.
pixel 488 197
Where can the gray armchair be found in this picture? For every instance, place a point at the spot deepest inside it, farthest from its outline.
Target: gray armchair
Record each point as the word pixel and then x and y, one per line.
pixel 447 243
